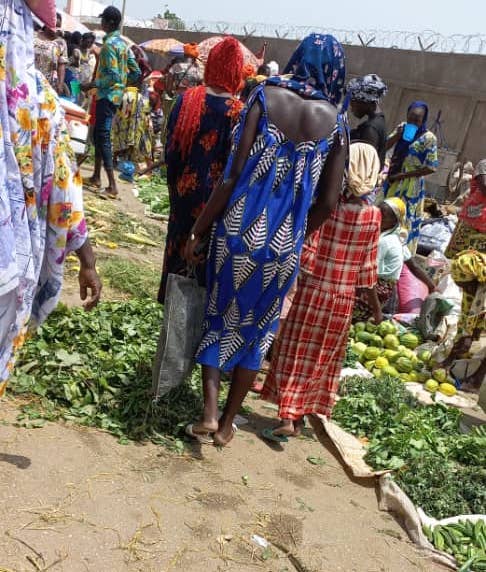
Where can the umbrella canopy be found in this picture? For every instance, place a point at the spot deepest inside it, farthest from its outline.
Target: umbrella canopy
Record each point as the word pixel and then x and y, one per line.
pixel 161 52
pixel 163 46
pixel 207 45
pixel 72 24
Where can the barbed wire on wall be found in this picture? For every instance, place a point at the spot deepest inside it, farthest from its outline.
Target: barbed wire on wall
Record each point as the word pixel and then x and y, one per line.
pixel 426 40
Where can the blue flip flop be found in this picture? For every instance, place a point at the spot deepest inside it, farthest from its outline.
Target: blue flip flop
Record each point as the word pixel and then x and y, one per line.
pixel 269 435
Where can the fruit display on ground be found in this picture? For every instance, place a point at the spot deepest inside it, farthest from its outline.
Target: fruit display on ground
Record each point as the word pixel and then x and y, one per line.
pixel 385 352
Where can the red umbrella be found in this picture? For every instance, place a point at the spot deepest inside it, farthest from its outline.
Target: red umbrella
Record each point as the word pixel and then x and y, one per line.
pixel 207 45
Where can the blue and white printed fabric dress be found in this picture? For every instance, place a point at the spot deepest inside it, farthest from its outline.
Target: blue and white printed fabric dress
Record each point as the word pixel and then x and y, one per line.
pixel 256 245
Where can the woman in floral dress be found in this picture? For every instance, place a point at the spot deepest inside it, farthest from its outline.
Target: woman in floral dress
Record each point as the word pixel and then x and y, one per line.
pixel 41 207
pixel 198 145
pixel 410 163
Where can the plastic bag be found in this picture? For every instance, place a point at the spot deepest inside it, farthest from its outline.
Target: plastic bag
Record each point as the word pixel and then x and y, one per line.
pixel 435 234
pixel 180 333
pixel 433 311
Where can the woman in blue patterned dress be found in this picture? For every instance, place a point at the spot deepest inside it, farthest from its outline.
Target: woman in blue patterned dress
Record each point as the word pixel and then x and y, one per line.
pixel 288 156
pixel 410 163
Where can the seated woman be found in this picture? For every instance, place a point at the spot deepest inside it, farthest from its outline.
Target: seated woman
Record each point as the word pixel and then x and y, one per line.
pixel 467 249
pixel 392 255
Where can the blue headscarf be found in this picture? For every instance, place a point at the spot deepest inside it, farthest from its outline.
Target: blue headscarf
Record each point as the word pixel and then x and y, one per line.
pixel 316 70
pixel 402 147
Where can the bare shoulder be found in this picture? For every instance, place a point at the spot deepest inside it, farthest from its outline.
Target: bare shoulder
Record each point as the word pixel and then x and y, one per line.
pixel 316 118
pixel 278 96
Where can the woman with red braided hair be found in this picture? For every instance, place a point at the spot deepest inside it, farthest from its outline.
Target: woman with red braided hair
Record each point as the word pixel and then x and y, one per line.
pixel 198 146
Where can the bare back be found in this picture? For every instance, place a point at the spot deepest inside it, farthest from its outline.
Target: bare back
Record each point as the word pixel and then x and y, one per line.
pixel 298 118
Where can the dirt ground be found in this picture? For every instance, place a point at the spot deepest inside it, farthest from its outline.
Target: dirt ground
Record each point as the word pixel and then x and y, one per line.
pixel 73 499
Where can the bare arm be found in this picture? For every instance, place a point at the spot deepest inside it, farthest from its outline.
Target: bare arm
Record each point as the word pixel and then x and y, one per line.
pixel 220 196
pixel 419 273
pixel 394 137
pixel 329 187
pixel 423 172
pixel 374 305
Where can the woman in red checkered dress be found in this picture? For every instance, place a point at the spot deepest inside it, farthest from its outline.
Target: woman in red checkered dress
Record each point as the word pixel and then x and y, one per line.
pixel 336 260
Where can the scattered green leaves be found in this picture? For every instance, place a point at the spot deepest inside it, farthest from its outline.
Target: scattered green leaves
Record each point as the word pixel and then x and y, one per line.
pixel 154 193
pixel 130 277
pixel 95 369
pixel 318 461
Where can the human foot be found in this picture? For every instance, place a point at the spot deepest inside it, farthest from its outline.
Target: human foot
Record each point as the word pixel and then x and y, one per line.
pixel 203 438
pixel 205 426
pixel 93 182
pixel 108 194
pixel 224 435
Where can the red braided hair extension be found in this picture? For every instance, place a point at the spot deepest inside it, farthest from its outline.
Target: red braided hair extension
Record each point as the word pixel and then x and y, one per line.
pixel 224 70
pixel 189 119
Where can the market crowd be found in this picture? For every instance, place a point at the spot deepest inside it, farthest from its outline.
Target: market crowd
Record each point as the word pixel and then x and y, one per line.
pixel 295 223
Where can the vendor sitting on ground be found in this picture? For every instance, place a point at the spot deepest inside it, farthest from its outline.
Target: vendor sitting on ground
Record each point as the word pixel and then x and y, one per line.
pixel 467 249
pixel 392 255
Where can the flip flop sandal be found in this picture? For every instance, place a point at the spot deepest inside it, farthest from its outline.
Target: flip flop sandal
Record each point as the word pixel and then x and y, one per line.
pixel 107 196
pixel 203 438
pixel 90 185
pixel 269 435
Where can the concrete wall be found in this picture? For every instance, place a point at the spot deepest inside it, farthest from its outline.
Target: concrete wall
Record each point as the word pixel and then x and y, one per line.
pixel 453 83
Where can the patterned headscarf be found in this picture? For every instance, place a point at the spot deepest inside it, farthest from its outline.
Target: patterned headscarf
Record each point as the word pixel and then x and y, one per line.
pixel 316 70
pixel 369 88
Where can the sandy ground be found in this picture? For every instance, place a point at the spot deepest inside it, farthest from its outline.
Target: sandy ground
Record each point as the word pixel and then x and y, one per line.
pixel 73 499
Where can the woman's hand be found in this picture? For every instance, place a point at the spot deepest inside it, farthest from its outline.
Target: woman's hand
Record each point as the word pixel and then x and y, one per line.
pixel 190 250
pixel 89 280
pixel 377 317
pixel 88 277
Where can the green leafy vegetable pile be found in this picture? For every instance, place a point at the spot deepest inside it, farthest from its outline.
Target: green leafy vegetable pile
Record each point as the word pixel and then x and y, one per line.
pixel 442 470
pixel 154 193
pixel 95 369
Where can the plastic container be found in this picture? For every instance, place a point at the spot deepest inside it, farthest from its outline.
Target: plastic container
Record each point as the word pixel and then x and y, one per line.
pixel 78 132
pixel 409 132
